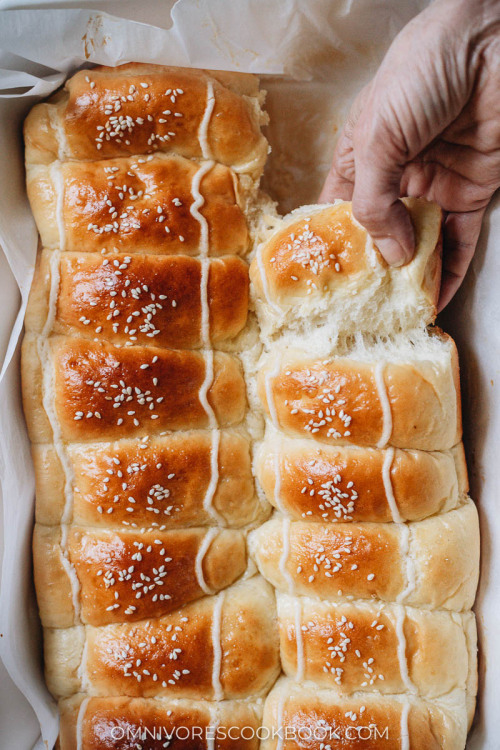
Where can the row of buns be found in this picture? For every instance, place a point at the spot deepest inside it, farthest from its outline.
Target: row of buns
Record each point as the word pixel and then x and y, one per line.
pixel 373 544
pixel 143 182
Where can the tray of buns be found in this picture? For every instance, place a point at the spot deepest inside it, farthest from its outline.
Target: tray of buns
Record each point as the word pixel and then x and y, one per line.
pixel 253 522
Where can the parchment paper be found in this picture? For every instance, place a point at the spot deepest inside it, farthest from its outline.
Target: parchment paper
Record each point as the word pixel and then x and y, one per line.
pixel 315 56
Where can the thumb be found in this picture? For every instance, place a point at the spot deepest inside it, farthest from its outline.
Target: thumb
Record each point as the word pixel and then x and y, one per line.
pixel 461 233
pixel 375 202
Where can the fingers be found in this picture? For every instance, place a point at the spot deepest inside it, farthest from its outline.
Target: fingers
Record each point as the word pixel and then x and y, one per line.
pixel 379 163
pixel 367 167
pixel 461 233
pixel 339 181
pixel 336 186
pixel 376 205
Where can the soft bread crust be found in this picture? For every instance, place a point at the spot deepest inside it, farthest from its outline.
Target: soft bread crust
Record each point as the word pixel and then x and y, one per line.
pixel 447 549
pixel 318 260
pixel 176 652
pixel 232 724
pixel 140 299
pixel 346 483
pixel 368 646
pixel 135 377
pixel 130 575
pixel 359 721
pixel 432 563
pixel 168 478
pixel 135 205
pixel 82 122
pixel 338 400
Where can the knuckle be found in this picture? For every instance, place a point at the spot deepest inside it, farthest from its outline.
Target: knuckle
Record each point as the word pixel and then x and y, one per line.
pixel 343 163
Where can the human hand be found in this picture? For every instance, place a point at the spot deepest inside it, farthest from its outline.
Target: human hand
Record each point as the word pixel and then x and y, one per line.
pixel 428 125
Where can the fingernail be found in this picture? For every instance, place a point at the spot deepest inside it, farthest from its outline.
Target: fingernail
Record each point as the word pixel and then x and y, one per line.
pixel 392 251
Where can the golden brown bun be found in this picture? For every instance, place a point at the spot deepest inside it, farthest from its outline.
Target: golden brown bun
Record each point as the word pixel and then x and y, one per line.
pixel 129 575
pixel 313 482
pixel 367 646
pixel 90 379
pixel 340 399
pixel 218 647
pixel 136 205
pixel 377 722
pixel 107 723
pixel 131 109
pixel 146 300
pixel 319 266
pixel 170 480
pixel 431 563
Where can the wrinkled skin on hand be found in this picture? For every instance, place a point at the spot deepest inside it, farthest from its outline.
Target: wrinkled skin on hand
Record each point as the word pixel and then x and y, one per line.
pixel 427 125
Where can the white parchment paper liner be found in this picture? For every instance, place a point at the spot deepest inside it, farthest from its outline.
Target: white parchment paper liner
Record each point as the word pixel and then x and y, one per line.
pixel 326 49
